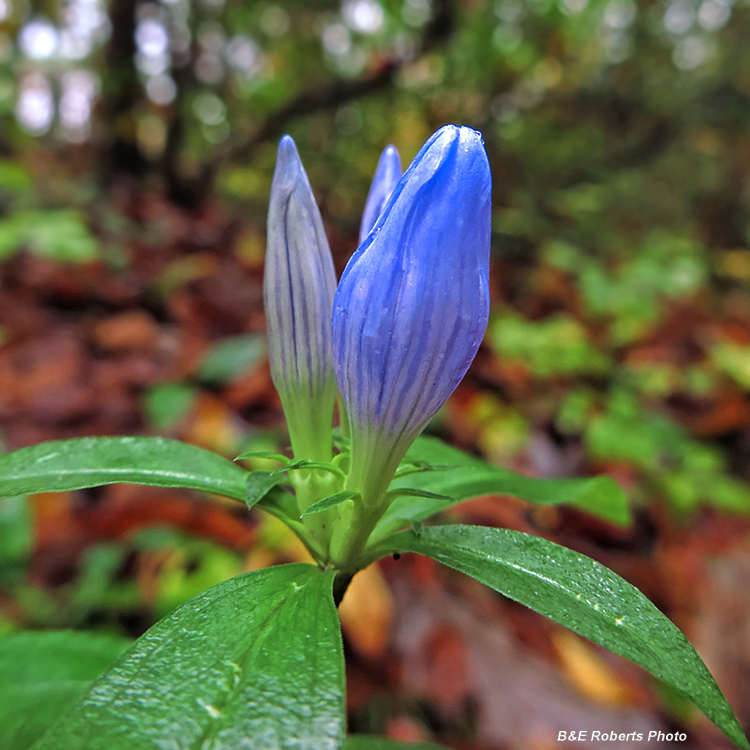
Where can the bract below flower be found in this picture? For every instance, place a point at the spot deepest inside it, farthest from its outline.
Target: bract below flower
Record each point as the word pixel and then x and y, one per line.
pixel 413 303
pixel 298 289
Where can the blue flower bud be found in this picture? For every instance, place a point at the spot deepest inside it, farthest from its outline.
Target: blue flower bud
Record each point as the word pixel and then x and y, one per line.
pixel 386 177
pixel 298 289
pixel 413 303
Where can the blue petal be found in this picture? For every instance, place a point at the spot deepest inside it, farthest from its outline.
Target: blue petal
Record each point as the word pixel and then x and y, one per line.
pixel 386 177
pixel 298 290
pixel 413 303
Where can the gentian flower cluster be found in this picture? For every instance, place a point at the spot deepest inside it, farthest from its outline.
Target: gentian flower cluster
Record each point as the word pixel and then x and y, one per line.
pixel 402 327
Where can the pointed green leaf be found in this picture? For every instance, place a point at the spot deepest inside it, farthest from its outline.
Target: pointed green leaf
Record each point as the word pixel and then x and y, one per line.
pixel 263 454
pixel 330 502
pixel 44 673
pixel 420 466
pixel 89 462
pixel 255 661
pixel 302 463
pixel 582 595
pixel 461 476
pixel 259 484
pixel 414 492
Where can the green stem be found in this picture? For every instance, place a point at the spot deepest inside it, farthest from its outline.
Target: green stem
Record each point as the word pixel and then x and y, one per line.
pixel 311 485
pixel 372 465
pixel 350 535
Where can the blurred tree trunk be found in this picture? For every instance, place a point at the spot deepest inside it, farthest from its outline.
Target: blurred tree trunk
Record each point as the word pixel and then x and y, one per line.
pixel 185 187
pixel 122 94
pixel 123 97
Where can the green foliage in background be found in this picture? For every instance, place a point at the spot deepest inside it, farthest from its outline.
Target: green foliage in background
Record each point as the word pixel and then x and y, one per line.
pixel 617 131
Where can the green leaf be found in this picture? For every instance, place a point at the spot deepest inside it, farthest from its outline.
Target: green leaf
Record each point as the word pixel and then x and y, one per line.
pixel 302 463
pixel 281 504
pixel 419 466
pixel 558 345
pixel 582 595
pixel 368 742
pixel 15 178
pixel 61 235
pixel 167 403
pixel 256 659
pixel 44 673
pixel 464 477
pixel 232 357
pixel 259 484
pixel 88 462
pixel 330 502
pixel 414 492
pixel 16 539
pixel 264 454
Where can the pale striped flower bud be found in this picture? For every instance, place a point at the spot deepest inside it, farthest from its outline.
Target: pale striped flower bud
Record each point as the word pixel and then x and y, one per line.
pixel 298 290
pixel 387 175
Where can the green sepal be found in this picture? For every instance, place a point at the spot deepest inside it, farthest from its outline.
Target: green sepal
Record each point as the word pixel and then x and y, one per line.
pixel 415 492
pixel 264 454
pixel 329 502
pixel 417 467
pixel 302 463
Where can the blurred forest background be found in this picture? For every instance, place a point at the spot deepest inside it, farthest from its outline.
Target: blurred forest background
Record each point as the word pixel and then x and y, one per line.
pixel 137 145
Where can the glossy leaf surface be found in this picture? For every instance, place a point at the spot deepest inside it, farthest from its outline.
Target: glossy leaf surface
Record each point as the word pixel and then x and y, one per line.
pixel 254 662
pixel 450 471
pixel 582 595
pixel 43 674
pixel 88 462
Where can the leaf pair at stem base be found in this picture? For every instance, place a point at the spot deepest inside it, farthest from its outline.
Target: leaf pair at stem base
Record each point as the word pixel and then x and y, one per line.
pixel 259 656
pixel 569 588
